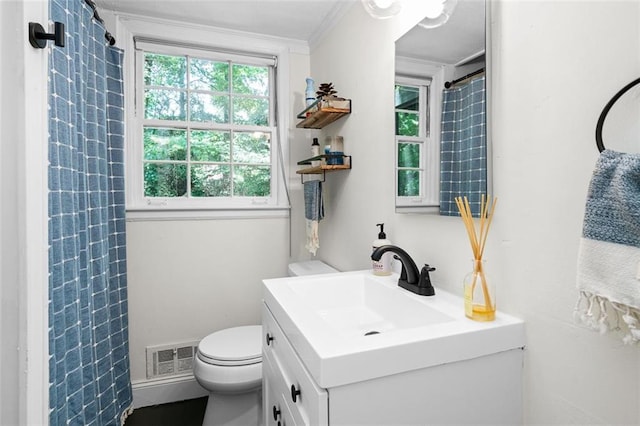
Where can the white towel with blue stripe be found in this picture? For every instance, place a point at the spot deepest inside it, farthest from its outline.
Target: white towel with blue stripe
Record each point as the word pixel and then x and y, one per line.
pixel 609 255
pixel 313 213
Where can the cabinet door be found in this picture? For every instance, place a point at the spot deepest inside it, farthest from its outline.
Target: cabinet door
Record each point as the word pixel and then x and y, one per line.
pixel 276 409
pixel 308 402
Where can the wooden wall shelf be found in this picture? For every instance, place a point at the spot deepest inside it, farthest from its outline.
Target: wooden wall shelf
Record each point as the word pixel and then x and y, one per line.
pixel 323 112
pixel 323 168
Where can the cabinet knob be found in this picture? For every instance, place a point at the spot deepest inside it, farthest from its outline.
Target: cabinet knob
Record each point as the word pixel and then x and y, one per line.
pixel 295 393
pixel 276 413
pixel 269 339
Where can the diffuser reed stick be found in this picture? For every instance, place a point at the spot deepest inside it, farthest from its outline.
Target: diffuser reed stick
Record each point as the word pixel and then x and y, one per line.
pixel 478 239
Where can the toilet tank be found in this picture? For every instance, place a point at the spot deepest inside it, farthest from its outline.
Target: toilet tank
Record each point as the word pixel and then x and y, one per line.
pixel 309 267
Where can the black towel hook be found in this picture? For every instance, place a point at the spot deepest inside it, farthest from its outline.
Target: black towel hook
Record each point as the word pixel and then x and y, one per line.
pixel 605 111
pixel 38 37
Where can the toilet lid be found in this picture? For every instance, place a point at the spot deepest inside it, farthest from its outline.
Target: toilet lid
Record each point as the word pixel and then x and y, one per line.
pixel 236 346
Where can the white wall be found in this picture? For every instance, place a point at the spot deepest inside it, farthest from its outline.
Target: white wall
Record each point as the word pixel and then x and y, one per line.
pixel 547 104
pixel 190 278
pixel 23 218
pixel 9 290
pixel 554 66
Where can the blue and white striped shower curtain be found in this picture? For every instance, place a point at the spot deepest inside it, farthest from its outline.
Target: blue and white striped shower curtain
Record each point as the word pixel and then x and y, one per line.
pixel 89 381
pixel 463 146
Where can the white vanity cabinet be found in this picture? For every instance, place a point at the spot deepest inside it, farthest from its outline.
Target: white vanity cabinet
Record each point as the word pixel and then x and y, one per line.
pixel 450 370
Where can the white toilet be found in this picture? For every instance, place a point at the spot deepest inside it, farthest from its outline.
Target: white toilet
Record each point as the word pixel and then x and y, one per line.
pixel 228 364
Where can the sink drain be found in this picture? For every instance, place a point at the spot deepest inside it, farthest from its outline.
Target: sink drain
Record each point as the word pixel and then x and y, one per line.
pixel 369 333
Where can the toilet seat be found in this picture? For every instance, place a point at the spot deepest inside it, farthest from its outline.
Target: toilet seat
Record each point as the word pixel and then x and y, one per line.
pixel 235 346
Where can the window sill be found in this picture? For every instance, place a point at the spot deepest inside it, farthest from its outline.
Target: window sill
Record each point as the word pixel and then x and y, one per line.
pixel 158 214
pixel 418 209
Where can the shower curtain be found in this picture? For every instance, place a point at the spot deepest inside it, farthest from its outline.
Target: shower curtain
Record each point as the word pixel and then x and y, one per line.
pixel 89 381
pixel 463 146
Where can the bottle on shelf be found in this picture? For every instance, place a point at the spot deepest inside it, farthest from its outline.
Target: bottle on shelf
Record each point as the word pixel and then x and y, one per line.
pixel 315 151
pixel 310 92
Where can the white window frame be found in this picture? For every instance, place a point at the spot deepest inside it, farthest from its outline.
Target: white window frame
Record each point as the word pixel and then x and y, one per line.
pixel 171 38
pixel 429 140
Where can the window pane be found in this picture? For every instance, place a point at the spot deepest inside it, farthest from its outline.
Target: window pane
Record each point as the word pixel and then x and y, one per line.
pixel 210 181
pixel 164 70
pixel 407 124
pixel 251 181
pixel 210 145
pixel 251 147
pixel 165 144
pixel 408 155
pixel 165 105
pixel 165 180
pixel 407 98
pixel 205 107
pixel 208 75
pixel 254 111
pixel 250 80
pixel 408 183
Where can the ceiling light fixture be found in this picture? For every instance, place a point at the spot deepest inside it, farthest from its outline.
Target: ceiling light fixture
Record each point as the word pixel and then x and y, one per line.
pixel 438 13
pixel 382 9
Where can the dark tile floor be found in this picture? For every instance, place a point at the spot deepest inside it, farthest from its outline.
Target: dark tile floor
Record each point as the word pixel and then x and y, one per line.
pixel 184 413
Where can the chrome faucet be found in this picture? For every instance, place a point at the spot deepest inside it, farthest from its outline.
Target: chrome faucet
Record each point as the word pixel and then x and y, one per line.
pixel 410 279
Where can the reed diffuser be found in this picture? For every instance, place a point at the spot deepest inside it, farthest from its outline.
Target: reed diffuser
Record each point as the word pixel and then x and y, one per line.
pixel 479 292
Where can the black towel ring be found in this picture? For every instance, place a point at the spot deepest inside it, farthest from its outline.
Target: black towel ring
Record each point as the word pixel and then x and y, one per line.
pixel 605 111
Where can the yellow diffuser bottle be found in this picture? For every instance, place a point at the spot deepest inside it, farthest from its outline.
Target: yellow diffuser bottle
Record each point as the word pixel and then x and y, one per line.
pixel 479 291
pixel 479 294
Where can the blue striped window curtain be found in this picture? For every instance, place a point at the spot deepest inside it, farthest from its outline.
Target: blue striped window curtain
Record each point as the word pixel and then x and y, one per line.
pixel 463 146
pixel 89 379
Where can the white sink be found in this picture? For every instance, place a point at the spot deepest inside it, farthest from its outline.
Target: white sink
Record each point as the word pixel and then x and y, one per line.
pixel 353 326
pixel 355 305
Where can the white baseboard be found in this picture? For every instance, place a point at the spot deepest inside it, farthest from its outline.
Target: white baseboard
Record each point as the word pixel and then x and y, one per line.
pixel 163 391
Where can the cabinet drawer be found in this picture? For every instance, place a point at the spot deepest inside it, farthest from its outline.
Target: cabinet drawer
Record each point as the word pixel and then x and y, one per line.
pixel 307 401
pixel 277 412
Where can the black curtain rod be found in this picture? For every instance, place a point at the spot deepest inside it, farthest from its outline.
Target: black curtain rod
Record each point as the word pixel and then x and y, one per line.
pixel 448 84
pixel 96 16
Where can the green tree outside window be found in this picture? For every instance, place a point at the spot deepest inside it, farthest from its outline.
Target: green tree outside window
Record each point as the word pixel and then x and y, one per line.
pixel 206 128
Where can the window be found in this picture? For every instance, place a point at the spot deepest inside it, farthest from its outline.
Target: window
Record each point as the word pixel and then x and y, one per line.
pixel 205 130
pixel 416 150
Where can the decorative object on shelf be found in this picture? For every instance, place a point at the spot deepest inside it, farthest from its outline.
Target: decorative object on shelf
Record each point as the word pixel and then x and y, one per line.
pixel 336 149
pixel 308 94
pixel 326 90
pixel 479 292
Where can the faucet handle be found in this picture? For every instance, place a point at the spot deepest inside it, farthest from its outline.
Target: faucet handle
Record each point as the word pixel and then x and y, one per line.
pixel 426 289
